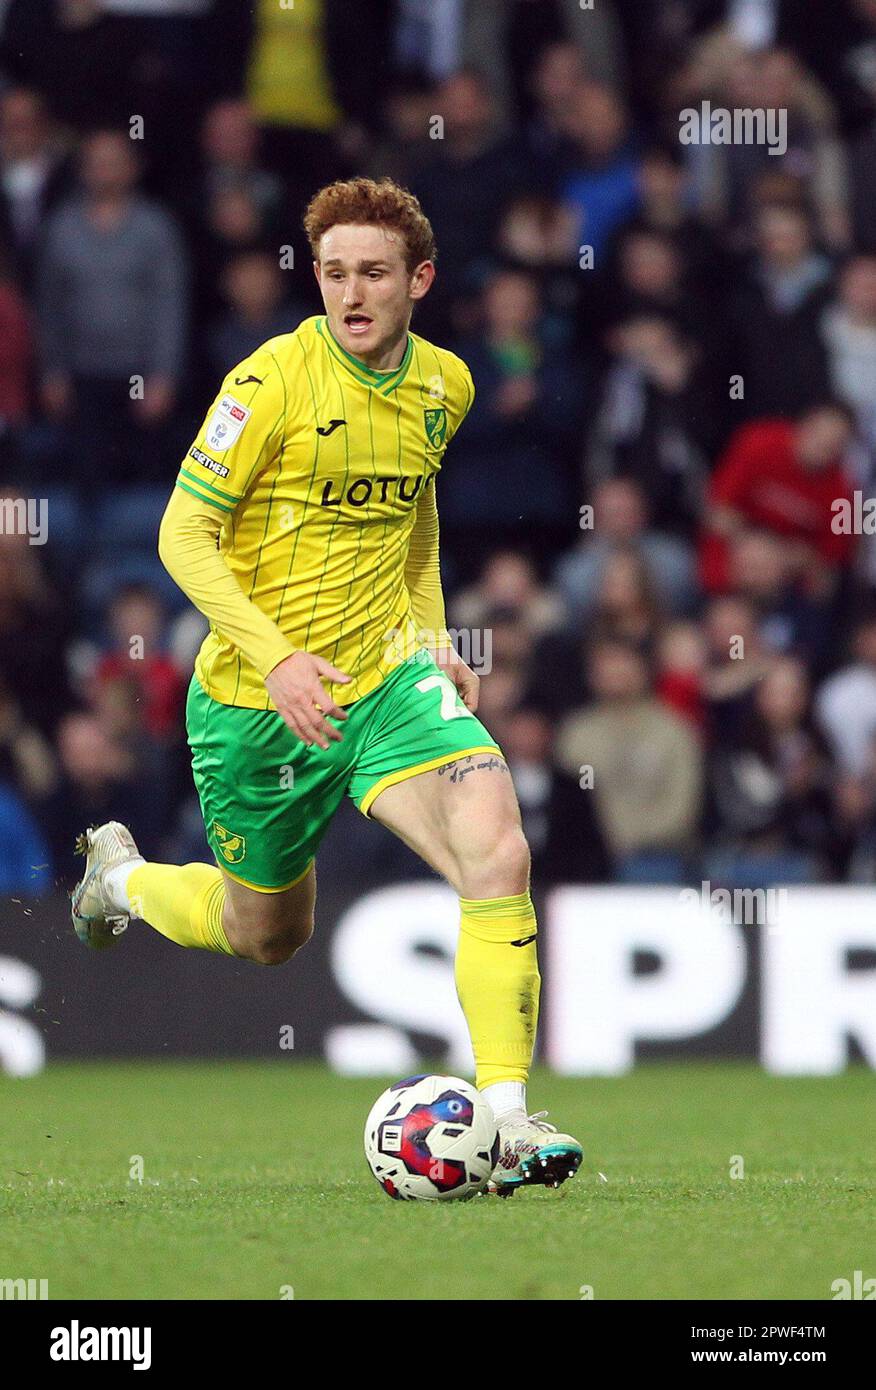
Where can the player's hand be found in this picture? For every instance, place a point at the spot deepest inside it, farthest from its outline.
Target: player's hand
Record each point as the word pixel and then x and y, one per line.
pixel 296 688
pixel 463 677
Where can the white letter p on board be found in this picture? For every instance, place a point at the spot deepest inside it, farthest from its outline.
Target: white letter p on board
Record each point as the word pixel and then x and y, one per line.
pixel 598 1007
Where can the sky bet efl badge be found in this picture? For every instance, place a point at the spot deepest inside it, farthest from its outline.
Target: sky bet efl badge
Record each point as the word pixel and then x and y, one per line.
pixel 225 424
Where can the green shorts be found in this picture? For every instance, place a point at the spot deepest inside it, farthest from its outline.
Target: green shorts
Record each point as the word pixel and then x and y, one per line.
pixel 267 798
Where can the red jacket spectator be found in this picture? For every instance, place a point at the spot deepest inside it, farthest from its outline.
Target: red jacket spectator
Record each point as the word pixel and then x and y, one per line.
pixel 160 683
pixel 781 477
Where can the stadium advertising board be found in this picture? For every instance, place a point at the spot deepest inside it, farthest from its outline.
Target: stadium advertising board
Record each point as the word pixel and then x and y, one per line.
pixel 628 974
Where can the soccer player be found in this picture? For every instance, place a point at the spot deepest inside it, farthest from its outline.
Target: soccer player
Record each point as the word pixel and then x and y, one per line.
pixel 303 525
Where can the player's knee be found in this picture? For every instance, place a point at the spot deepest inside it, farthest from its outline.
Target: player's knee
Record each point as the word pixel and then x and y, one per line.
pixel 498 867
pixel 270 943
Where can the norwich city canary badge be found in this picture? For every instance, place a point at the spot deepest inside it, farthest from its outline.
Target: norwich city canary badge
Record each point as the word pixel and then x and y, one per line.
pixel 436 426
pixel 232 847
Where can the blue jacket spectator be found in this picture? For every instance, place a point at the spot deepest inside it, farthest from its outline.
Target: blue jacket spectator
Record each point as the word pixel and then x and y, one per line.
pixel 25 869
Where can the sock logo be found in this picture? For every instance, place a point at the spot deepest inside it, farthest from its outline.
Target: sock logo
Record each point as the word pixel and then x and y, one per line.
pixel 524 940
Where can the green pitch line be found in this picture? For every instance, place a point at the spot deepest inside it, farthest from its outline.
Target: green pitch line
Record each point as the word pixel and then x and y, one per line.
pixel 254 1180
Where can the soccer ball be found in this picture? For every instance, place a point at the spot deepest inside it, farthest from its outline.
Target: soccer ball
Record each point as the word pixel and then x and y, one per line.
pixel 431 1139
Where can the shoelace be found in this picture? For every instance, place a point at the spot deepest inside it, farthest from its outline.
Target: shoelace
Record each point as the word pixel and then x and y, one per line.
pixel 539 1122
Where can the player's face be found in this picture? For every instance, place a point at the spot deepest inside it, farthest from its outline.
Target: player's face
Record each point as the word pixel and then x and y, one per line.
pixel 368 291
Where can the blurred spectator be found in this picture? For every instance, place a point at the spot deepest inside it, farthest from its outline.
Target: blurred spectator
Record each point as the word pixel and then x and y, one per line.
pixel 522 426
pixel 727 175
pixel 508 581
pixel 556 31
pixel 527 751
pixel 33 174
pixel 626 607
pixel 855 814
pixel 554 81
pixel 665 207
pixel 775 317
pixel 187 632
pixel 236 204
pixel 849 332
pixel 784 478
pixel 230 143
pixel 681 666
pixel 653 423
pixel 27 762
pixel 789 621
pixel 620 520
pixel 403 144
pixel 646 767
pixel 537 234
pixel 737 662
pixel 648 278
pixel 846 703
pixel 83 58
pixel 470 176
pixel 862 189
pixel 109 770
pixel 558 815
pixel 292 84
pixel 16 357
pixel 34 626
pixel 428 37
pixel 502 690
pixel 601 180
pixel 769 787
pixel 25 865
pixel 112 302
pixel 136 622
pixel 837 42
pixel 254 289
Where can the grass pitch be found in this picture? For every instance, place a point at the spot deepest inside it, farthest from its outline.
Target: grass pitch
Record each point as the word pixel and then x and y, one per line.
pixel 254 1182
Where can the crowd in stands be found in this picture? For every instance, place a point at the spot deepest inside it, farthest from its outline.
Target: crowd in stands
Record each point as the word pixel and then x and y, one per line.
pixel 674 350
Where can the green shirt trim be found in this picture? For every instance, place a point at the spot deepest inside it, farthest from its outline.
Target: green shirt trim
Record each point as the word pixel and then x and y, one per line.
pixel 212 501
pixel 202 482
pixel 385 382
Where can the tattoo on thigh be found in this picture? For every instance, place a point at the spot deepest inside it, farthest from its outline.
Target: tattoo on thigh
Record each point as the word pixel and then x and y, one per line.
pixel 457 771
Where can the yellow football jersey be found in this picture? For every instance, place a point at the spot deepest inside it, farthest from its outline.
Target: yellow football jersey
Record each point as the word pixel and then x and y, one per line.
pixel 319 465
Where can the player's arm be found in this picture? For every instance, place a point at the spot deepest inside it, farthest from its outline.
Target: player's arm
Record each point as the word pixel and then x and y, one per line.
pixel 241 433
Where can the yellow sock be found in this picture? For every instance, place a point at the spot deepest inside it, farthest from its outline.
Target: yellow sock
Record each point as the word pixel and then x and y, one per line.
pixel 498 985
pixel 183 902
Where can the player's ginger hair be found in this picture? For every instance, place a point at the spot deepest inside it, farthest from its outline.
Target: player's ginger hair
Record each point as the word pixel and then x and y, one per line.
pixel 380 203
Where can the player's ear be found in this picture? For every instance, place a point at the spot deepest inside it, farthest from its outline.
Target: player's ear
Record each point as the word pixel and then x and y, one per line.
pixel 317 273
pixel 422 279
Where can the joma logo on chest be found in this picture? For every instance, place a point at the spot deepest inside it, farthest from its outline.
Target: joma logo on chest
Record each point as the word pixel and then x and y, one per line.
pixel 361 491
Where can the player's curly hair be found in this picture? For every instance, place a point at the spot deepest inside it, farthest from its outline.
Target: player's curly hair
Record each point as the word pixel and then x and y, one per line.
pixel 374 203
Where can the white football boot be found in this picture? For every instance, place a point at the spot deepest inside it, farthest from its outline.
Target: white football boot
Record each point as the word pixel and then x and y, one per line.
pixel 97 920
pixel 533 1154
